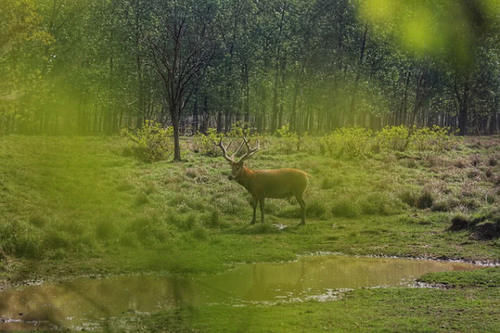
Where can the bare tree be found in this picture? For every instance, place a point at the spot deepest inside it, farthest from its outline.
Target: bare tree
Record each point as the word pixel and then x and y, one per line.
pixel 181 43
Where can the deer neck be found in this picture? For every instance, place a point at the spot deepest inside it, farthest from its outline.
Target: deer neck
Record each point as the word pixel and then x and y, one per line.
pixel 244 177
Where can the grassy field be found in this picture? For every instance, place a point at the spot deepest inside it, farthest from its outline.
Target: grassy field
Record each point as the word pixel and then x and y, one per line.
pixel 72 206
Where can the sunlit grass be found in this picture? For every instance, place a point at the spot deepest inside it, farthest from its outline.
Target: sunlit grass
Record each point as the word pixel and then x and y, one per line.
pixel 80 198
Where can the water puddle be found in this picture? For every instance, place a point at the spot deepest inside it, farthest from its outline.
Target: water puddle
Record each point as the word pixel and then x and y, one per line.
pixel 77 303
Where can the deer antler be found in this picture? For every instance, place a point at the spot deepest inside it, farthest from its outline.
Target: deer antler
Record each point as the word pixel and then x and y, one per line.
pixel 224 151
pixel 231 158
pixel 250 151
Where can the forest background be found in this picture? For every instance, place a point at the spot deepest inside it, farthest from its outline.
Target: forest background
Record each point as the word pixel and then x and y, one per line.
pixel 90 67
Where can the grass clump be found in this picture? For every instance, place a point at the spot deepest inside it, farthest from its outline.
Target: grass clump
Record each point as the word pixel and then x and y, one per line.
pixel 314 209
pixel 409 197
pixel 346 208
pixel 425 200
pixel 459 222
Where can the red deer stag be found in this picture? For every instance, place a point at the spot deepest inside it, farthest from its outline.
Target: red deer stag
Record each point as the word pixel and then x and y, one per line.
pixel 261 184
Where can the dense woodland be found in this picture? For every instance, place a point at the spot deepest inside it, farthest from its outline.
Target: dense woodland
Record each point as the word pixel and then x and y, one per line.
pixel 90 67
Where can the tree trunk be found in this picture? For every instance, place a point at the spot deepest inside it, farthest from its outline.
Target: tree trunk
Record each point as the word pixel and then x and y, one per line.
pixel 463 101
pixel 174 113
pixel 352 109
pixel 194 124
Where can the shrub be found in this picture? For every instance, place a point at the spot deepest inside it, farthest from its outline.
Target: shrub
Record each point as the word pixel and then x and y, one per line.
pixel 433 138
pixel 400 138
pixel 206 144
pixel 349 142
pixel 239 129
pixel 393 138
pixel 289 141
pixel 151 142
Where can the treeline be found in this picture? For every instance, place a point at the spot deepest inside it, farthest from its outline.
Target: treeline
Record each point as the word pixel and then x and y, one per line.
pixel 86 66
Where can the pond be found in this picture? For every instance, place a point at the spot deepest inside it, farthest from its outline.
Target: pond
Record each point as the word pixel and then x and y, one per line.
pixel 79 302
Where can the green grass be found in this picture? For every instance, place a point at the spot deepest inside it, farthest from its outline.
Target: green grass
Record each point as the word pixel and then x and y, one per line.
pixel 72 206
pixel 81 197
pixel 364 310
pixel 487 277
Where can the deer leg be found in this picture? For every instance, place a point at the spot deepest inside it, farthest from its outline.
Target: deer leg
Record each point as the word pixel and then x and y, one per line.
pixel 261 201
pixel 254 206
pixel 302 208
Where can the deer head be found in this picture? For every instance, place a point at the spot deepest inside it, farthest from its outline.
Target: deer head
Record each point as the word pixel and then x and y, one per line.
pixel 237 166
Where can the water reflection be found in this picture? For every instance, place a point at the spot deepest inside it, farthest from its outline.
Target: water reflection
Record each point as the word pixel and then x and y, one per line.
pixel 71 303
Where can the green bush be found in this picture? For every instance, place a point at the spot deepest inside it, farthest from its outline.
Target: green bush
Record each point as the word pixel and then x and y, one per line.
pixel 151 142
pixel 206 144
pixel 393 138
pixel 433 138
pixel 348 142
pixel 288 140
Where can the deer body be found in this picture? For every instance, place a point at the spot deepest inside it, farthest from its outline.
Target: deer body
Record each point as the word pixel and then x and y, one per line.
pixel 274 183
